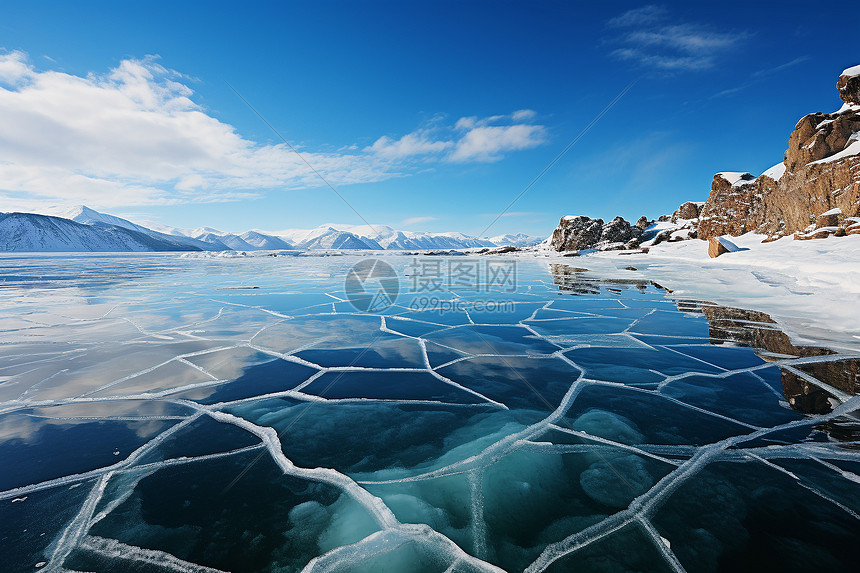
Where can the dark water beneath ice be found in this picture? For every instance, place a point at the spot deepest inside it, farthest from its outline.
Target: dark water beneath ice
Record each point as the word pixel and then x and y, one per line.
pixel 153 417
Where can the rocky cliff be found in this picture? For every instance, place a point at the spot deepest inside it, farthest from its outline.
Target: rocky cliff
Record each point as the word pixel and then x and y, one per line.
pixel 819 175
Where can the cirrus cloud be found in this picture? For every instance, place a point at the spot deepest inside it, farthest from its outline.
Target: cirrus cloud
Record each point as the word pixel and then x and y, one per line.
pixel 646 37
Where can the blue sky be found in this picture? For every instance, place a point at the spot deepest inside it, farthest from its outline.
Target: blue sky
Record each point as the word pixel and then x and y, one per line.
pixel 424 115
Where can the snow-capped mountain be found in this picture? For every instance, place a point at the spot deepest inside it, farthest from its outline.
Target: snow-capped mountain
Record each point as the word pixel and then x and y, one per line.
pixel 84 215
pixel 93 230
pixel 379 237
pixel 214 241
pixel 234 242
pixel 28 232
pixel 517 240
pixel 263 241
pixel 327 237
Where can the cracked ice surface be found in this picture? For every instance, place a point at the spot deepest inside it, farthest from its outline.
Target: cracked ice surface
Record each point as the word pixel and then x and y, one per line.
pixel 154 419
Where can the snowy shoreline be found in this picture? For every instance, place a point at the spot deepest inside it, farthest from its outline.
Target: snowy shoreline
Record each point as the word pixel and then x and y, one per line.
pixel 810 288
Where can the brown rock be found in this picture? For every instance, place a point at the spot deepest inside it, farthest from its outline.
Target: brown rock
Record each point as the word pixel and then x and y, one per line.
pixel 827 220
pixel 729 210
pixel 820 234
pixel 715 248
pixel 819 135
pixel 688 210
pixel 849 89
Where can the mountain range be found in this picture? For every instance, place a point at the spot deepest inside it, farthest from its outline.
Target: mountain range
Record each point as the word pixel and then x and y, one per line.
pixel 83 229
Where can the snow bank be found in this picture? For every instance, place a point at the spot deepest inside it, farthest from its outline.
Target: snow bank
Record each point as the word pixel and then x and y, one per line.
pixel 834 211
pixel 776 172
pixel 810 288
pixel 734 177
pixel 851 72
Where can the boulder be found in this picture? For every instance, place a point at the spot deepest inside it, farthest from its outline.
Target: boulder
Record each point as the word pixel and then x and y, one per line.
pixel 816 234
pixel 576 233
pixel 715 248
pixel 849 86
pixel 580 232
pixel 719 246
pixel 618 231
pixel 643 222
pixel 501 250
pixel 688 210
pixel 828 219
pixel 819 135
pixel 730 207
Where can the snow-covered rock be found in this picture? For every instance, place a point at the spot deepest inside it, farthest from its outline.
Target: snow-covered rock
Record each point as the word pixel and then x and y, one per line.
pixel 849 85
pixel 577 233
pixel 735 178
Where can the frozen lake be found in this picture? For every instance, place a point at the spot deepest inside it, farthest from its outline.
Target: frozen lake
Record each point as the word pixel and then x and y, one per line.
pixel 168 413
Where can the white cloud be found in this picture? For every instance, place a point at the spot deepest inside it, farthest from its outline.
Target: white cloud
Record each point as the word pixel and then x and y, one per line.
pixel 416 220
pixel 470 139
pixel 134 136
pixel 523 115
pixel 638 17
pixel 684 37
pixel 466 123
pixel 411 144
pixel 487 143
pixel 13 67
pixel 646 39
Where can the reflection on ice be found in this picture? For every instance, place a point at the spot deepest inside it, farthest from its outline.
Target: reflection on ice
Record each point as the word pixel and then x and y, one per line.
pixel 155 420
